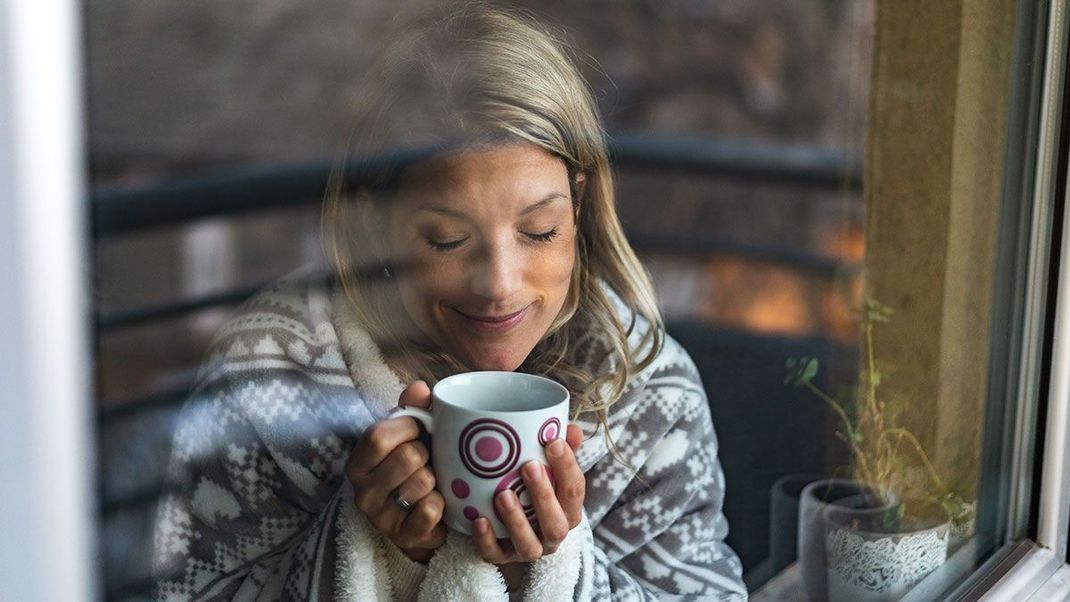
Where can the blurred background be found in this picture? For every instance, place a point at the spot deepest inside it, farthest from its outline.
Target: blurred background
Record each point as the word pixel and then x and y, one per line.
pixel 737 129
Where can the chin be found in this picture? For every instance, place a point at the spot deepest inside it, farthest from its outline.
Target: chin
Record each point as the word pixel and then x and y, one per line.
pixel 504 363
pixel 502 366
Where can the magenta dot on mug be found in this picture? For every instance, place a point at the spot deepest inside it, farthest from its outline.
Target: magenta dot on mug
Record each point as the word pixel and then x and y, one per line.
pixel 551 431
pixel 471 513
pixel 488 448
pixel 460 488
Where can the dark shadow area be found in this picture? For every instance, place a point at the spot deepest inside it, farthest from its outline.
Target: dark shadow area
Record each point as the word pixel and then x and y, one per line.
pixel 765 429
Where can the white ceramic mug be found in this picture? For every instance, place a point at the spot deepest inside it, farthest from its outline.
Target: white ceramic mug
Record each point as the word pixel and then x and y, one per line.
pixel 485 426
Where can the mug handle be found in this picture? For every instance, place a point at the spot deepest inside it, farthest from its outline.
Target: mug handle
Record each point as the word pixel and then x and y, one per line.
pixel 418 413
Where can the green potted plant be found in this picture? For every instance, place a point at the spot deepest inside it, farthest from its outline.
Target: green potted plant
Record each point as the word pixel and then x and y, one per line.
pixel 877 544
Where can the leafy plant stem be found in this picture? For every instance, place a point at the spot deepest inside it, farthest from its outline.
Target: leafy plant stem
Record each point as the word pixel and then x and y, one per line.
pixel 933 474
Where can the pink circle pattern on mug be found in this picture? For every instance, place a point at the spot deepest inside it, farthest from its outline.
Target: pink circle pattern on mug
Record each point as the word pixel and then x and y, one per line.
pixel 515 482
pixel 548 431
pixel 489 448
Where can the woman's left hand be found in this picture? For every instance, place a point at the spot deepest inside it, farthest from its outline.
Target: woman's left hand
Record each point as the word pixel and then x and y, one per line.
pixel 557 513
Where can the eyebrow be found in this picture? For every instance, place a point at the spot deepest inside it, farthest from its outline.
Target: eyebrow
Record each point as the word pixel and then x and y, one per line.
pixel 553 196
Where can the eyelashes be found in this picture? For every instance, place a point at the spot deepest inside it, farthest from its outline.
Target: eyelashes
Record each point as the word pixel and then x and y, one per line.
pixel 444 246
pixel 543 236
pixel 539 237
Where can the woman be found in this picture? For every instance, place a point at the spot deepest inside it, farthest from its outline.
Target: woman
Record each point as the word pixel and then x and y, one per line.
pixel 495 246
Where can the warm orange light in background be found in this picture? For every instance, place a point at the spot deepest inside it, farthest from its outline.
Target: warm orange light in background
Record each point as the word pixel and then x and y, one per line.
pixel 847 244
pixel 759 297
pixel 766 297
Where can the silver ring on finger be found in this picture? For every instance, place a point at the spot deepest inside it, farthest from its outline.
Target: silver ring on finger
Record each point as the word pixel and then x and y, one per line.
pixel 401 502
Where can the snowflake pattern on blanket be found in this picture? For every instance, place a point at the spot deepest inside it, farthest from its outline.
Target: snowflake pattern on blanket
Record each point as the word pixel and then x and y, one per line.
pixel 256 500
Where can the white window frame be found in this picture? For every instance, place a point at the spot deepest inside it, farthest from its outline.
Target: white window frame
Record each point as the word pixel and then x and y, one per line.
pixel 46 464
pixel 1037 569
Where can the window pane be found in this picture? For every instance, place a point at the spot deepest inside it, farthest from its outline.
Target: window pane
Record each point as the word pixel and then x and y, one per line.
pixel 830 199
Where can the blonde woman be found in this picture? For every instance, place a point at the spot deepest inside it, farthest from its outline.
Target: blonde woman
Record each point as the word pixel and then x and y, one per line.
pixel 494 246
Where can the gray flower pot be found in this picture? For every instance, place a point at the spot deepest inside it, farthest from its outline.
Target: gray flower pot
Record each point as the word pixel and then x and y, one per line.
pixel 784 519
pixel 816 497
pixel 872 559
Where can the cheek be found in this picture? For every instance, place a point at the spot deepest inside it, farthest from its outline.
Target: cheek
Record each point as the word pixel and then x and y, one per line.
pixel 423 283
pixel 556 268
pixel 431 276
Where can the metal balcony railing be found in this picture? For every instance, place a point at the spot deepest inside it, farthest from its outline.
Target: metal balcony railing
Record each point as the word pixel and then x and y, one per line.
pixel 244 190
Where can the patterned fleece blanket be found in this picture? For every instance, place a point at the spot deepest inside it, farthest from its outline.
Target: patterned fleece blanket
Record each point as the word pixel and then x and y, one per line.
pixel 257 506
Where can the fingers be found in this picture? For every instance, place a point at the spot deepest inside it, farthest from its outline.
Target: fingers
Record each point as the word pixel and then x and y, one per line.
pixel 390 459
pixel 417 485
pixel 407 459
pixel 556 513
pixel 525 542
pixel 377 442
pixel 416 395
pixel 423 527
pixel 373 491
pixel 552 524
pixel 487 546
pixel 571 484
pixel 390 516
pixel 574 436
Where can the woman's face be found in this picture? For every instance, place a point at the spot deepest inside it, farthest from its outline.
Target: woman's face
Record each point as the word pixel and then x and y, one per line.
pixel 488 240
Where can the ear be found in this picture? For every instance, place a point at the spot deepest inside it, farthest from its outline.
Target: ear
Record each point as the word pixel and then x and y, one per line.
pixel 579 186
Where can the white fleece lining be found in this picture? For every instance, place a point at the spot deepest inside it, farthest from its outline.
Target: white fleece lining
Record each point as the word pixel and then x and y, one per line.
pixel 406 574
pixel 456 572
pixel 377 383
pixel 554 577
pixel 362 572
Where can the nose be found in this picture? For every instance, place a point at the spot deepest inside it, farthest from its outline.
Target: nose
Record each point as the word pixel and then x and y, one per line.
pixel 497 273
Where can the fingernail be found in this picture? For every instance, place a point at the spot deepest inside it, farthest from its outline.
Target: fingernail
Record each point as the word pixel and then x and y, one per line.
pixel 481 526
pixel 556 448
pixel 533 471
pixel 505 498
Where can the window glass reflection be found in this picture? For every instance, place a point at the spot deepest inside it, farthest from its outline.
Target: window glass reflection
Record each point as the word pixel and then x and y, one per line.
pixel 755 157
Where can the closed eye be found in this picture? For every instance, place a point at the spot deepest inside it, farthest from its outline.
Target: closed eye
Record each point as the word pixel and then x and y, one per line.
pixel 445 246
pixel 543 236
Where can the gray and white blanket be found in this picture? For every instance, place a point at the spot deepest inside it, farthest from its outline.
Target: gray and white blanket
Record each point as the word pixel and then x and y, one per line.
pixel 258 507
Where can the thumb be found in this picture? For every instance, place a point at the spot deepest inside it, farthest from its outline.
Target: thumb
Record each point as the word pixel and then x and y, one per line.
pixel 416 395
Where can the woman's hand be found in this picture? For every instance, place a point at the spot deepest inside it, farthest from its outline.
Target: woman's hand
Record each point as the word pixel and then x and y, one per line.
pixel 557 513
pixel 389 457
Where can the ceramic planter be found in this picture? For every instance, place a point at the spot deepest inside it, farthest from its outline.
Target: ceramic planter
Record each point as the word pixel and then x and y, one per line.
pixel 870 558
pixel 816 497
pixel 784 519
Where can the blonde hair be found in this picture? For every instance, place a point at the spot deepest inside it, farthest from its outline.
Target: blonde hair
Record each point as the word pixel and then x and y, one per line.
pixel 476 75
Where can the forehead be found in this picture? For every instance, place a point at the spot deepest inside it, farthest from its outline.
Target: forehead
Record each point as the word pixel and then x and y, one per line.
pixel 508 172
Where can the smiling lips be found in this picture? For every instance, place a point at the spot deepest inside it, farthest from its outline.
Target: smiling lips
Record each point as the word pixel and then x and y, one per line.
pixel 494 324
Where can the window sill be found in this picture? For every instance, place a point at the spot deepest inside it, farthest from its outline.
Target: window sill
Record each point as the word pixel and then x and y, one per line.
pixel 1023 571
